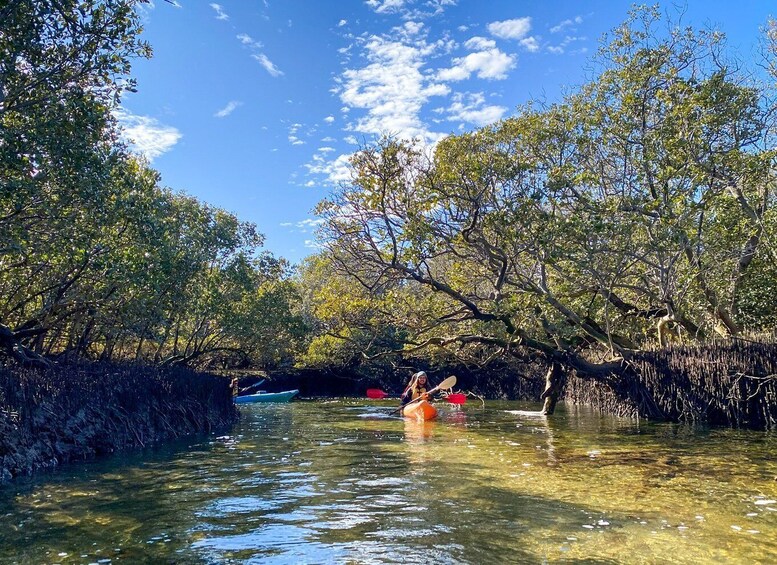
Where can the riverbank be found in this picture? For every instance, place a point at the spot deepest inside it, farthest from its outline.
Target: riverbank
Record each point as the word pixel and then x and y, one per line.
pixel 72 413
pixel 729 383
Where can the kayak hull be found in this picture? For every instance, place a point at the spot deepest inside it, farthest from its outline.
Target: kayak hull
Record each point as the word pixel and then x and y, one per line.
pixel 421 410
pixel 284 396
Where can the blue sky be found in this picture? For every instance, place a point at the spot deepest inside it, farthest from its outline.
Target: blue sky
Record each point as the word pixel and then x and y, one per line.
pixel 254 105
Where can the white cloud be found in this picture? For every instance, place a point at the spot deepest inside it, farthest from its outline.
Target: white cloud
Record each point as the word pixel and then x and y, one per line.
pixel 392 87
pixel 336 171
pixel 293 138
pixel 561 26
pixel 471 108
pixel 228 109
pixel 429 8
pixel 341 23
pixel 530 44
pixel 475 43
pixel 220 13
pixel 328 139
pixel 326 149
pixel 246 39
pixel 385 6
pixel 329 119
pixel 267 64
pixel 556 50
pixel 146 135
pixel 407 10
pixel 310 223
pixel 511 29
pixel 351 139
pixel 411 28
pixel 490 64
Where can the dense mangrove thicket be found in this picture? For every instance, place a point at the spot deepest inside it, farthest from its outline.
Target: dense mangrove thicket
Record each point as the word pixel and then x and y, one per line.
pixel 728 383
pixel 72 413
pixel 97 260
pixel 638 212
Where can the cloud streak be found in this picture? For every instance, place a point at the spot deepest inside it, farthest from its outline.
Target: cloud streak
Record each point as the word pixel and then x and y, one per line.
pixel 231 106
pixel 268 65
pixel 258 55
pixel 568 40
pixel 220 13
pixel 570 23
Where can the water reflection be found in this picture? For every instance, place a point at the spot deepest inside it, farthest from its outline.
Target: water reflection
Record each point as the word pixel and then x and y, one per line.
pixel 343 482
pixel 418 432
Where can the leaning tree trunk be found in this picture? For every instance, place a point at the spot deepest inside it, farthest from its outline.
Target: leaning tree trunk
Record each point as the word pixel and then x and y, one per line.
pixel 10 343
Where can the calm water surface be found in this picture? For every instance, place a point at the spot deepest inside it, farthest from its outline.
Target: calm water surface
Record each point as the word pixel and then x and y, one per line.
pixel 339 482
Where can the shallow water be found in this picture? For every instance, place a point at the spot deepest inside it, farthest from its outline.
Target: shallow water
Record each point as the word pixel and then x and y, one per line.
pixel 340 482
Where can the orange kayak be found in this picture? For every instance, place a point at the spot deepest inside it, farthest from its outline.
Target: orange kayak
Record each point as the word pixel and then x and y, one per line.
pixel 420 410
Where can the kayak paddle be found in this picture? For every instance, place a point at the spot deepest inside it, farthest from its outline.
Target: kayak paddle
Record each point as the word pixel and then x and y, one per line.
pixel 448 383
pixel 456 398
pixel 376 393
pixel 253 386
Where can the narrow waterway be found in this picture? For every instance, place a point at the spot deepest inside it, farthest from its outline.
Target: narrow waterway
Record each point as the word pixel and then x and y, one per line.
pixel 340 482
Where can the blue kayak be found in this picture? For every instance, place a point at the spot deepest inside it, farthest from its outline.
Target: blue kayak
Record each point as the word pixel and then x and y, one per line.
pixel 284 396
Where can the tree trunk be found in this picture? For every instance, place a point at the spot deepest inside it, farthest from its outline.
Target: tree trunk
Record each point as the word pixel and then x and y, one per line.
pixel 554 380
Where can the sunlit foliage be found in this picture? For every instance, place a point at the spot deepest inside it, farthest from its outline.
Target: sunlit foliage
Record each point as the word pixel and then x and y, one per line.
pixel 97 260
pixel 637 212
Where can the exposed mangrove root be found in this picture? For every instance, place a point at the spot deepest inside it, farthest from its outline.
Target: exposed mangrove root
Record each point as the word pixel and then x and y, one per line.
pixel 732 383
pixel 75 412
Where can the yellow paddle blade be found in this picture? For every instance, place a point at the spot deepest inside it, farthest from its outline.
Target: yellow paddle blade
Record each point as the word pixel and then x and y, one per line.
pixel 450 382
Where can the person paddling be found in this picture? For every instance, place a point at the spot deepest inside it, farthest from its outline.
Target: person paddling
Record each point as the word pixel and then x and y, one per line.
pixel 416 388
pixel 237 391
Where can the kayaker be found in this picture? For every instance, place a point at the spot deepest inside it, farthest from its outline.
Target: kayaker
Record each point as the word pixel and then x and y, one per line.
pixel 416 388
pixel 237 391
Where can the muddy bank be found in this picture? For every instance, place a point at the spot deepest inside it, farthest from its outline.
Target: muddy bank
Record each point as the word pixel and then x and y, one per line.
pixel 76 412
